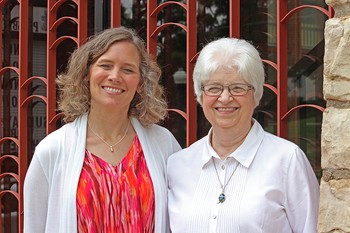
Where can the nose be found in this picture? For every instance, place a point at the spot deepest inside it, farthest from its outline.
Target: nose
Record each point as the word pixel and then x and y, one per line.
pixel 114 75
pixel 225 95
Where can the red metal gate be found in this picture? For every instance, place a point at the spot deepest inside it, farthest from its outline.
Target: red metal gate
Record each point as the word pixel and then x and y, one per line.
pixel 67 27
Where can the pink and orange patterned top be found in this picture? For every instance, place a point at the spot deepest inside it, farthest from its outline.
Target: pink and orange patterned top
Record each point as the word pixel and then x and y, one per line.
pixel 116 198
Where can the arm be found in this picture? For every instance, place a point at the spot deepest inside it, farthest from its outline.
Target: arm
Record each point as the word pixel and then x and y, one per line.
pixel 302 194
pixel 35 198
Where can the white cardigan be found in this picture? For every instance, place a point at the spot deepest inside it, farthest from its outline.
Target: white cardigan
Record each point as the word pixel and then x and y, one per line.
pixel 52 178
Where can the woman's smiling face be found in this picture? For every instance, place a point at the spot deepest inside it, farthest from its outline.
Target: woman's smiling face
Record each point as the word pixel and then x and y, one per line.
pixel 115 76
pixel 227 111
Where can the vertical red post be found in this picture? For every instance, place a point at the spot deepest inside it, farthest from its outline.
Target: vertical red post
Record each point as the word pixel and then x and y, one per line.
pixel 235 18
pixel 23 110
pixel 282 70
pixel 51 67
pixel 151 27
pixel 191 43
pixel 82 21
pixel 115 13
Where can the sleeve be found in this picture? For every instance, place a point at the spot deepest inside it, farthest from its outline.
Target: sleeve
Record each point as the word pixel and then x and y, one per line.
pixel 302 194
pixel 35 198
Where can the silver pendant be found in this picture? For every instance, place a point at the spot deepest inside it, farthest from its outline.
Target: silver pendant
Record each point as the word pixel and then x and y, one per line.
pixel 222 198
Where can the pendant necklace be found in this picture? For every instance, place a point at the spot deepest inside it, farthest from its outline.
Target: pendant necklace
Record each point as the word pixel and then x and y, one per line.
pixel 222 196
pixel 111 146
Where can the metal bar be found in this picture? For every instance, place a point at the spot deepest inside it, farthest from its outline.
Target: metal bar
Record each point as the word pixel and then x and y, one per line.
pixel 82 21
pixel 235 18
pixel 151 27
pixel 191 44
pixel 23 110
pixel 51 68
pixel 282 69
pixel 115 13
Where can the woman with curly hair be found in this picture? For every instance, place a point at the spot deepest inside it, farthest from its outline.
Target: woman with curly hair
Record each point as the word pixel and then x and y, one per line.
pixel 104 170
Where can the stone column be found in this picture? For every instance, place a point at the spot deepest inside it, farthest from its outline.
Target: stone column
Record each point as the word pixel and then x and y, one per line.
pixel 334 213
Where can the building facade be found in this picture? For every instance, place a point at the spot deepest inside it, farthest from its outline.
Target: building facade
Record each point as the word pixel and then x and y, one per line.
pixel 335 183
pixel 303 44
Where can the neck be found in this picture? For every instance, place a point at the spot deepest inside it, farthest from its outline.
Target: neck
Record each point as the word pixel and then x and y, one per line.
pixel 111 115
pixel 109 127
pixel 226 141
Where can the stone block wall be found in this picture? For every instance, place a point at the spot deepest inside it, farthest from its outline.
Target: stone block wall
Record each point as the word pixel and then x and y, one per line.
pixel 334 213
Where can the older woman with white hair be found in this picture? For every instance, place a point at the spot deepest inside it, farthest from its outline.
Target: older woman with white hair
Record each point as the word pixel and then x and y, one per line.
pixel 238 178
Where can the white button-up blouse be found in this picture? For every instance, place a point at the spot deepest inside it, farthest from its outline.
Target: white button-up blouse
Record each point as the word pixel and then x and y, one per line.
pixel 273 189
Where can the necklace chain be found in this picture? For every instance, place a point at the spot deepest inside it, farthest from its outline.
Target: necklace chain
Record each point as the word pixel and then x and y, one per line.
pixel 113 145
pixel 222 196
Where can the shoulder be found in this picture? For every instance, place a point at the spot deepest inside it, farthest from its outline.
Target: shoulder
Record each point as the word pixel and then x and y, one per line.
pixel 278 144
pixel 268 140
pixel 53 139
pixel 279 140
pixel 158 130
pixel 188 154
pixel 153 131
pixel 184 164
pixel 156 138
pixel 281 153
pixel 278 151
pixel 62 138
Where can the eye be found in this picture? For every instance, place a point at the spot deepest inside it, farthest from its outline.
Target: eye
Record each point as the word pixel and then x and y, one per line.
pixel 213 88
pixel 128 70
pixel 105 66
pixel 238 88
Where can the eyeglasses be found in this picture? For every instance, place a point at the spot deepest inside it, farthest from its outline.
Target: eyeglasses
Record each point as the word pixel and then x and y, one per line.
pixel 234 89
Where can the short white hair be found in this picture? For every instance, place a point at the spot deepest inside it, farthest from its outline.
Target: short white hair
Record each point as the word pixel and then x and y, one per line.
pixel 237 54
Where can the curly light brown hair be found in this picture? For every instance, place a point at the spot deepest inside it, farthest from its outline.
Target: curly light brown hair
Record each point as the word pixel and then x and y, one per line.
pixel 148 105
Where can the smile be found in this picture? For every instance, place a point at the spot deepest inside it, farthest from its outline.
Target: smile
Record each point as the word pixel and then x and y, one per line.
pixel 114 90
pixel 226 109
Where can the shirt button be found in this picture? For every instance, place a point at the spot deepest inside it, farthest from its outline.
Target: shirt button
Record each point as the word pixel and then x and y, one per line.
pixel 214 217
pixel 223 167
